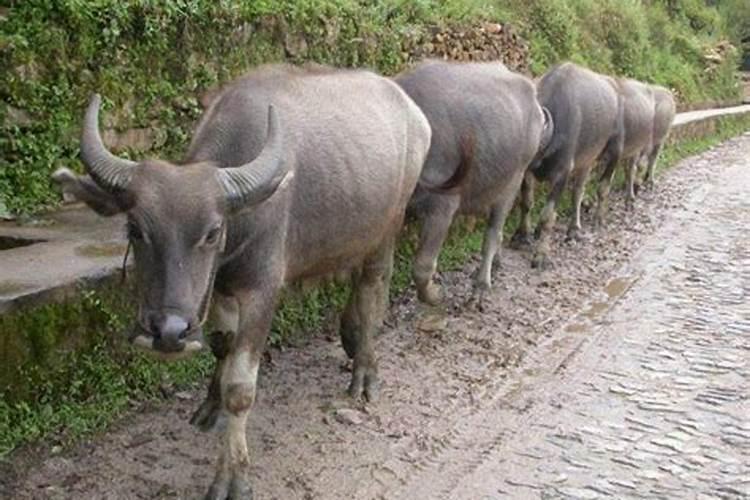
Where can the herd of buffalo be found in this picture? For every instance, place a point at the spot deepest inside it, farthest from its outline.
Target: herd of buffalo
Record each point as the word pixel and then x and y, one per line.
pixel 297 172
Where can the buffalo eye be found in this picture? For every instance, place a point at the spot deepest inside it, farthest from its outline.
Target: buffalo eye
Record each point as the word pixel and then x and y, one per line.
pixel 212 237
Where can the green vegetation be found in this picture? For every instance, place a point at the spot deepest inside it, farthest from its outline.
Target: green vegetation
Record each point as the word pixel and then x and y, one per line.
pixel 67 369
pixel 152 59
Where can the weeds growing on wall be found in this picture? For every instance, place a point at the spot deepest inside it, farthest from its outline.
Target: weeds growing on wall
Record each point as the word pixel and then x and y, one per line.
pixel 151 60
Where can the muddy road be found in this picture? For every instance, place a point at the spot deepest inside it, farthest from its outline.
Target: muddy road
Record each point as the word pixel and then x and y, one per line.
pixel 621 372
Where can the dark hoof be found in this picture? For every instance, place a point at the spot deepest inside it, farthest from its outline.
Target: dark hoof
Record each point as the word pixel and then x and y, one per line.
pixel 520 240
pixel 541 261
pixel 364 383
pixel 233 489
pixel 575 236
pixel 208 416
pixel 479 294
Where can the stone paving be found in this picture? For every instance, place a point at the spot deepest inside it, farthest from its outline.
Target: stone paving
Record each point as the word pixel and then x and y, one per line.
pixel 658 404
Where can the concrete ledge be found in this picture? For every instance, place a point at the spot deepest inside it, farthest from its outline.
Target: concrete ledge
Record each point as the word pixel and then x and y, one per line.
pixel 43 261
pixel 693 116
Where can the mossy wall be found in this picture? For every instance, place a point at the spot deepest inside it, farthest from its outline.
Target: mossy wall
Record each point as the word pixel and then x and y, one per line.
pixel 152 59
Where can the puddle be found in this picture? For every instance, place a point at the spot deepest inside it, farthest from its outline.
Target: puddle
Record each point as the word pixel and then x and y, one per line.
pixel 577 328
pixel 614 289
pixel 9 242
pixel 101 249
pixel 618 286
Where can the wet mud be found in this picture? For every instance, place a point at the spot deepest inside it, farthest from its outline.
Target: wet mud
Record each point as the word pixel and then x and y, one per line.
pixel 571 383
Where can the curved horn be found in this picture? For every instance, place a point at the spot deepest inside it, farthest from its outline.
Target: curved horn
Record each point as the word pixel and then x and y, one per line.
pixel 253 182
pixel 109 171
pixel 547 131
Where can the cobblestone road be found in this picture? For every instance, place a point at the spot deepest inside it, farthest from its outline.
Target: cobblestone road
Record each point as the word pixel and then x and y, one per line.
pixel 656 404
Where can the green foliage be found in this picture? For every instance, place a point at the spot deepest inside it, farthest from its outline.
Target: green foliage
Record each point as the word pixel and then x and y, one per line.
pixel 659 41
pixel 152 59
pixel 76 371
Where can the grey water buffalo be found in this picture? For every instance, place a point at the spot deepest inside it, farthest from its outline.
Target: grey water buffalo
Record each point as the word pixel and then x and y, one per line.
pixel 638 123
pixel 487 127
pixel 292 173
pixel 664 113
pixel 587 114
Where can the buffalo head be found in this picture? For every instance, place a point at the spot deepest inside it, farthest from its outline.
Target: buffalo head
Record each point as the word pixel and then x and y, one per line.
pixel 176 223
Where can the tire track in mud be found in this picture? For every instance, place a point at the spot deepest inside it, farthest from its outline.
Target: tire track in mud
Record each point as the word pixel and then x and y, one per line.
pixel 458 388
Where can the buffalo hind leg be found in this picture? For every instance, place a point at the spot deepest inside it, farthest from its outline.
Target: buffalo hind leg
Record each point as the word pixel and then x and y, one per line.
pixel 368 288
pixel 493 239
pixel 522 236
pixel 547 220
pixel 225 317
pixel 238 381
pixel 435 226
pixel 579 186
pixel 648 179
pixel 350 325
pixel 602 198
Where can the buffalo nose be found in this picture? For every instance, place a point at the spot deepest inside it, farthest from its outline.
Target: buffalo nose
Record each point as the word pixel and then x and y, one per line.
pixel 170 332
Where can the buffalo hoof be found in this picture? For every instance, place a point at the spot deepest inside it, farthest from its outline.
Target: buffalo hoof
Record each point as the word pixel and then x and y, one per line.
pixel 364 384
pixel 520 240
pixel 236 488
pixel 541 261
pixel 575 235
pixel 479 294
pixel 208 416
pixel 430 294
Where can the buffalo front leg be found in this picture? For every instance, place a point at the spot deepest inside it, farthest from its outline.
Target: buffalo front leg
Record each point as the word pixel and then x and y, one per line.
pixel 238 381
pixel 225 318
pixel 522 236
pixel 435 226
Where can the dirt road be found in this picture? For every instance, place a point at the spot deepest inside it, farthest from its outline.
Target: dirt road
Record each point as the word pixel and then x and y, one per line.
pixel 622 372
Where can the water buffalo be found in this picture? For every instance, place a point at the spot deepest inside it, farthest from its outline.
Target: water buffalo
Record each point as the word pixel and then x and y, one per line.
pixel 587 112
pixel 638 121
pixel 486 128
pixel 664 112
pixel 292 173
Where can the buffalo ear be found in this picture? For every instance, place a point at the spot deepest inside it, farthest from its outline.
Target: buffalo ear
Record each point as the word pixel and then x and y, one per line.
pixel 83 188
